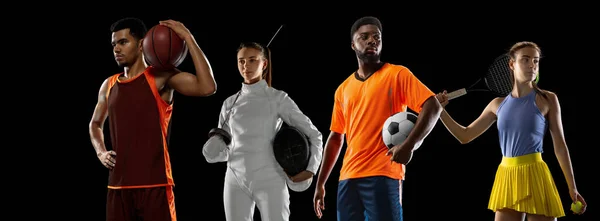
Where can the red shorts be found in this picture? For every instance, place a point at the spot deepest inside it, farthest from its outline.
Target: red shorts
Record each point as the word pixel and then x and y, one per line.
pixel 147 204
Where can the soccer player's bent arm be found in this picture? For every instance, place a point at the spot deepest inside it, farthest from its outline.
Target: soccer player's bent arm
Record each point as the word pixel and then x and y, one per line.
pixel 98 118
pixel 426 120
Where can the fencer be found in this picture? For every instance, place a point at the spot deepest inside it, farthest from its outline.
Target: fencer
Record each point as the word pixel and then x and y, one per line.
pixel 251 117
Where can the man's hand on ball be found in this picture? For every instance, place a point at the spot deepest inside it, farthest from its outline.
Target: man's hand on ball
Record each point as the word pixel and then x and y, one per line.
pixel 177 27
pixel 401 153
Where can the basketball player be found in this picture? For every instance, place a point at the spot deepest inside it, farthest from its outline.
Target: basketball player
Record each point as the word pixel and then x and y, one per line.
pixel 252 117
pixel 523 117
pixel 369 185
pixel 139 103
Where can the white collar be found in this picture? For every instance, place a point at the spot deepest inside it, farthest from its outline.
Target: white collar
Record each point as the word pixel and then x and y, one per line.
pixel 255 87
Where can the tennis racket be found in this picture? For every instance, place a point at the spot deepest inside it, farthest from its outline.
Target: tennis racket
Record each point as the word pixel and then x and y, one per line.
pixel 498 80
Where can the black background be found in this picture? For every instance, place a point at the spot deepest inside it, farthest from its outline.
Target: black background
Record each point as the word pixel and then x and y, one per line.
pixel 311 57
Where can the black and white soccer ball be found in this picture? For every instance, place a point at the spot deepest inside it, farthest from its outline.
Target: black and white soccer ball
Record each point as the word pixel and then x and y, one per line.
pixel 397 127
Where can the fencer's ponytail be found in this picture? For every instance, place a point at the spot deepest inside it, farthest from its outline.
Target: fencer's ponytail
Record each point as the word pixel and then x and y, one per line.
pixel 268 71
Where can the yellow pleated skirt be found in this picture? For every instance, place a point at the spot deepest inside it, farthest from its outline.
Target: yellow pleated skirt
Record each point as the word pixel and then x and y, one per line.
pixel 525 184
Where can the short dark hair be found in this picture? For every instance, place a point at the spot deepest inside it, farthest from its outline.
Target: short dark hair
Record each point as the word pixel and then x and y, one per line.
pixel 367 20
pixel 136 26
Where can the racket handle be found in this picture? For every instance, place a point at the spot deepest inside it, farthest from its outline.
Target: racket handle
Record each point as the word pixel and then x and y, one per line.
pixel 457 93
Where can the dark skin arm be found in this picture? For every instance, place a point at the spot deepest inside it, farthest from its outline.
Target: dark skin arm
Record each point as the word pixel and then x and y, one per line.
pixel 107 158
pixel 333 146
pixel 203 82
pixel 426 120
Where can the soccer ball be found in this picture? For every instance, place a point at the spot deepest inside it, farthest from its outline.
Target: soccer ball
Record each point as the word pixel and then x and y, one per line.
pixel 397 127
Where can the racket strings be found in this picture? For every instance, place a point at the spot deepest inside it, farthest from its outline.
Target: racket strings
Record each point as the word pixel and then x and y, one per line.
pixel 499 78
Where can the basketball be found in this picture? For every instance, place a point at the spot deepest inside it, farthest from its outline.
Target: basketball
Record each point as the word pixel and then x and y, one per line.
pixel 163 48
pixel 397 127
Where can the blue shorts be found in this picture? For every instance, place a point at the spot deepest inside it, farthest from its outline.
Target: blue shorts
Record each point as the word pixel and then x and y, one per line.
pixel 369 198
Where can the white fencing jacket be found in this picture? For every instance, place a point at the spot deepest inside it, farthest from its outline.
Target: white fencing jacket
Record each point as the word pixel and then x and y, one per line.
pixel 253 121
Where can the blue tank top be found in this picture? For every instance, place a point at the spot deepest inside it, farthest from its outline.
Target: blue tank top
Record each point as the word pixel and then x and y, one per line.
pixel 521 126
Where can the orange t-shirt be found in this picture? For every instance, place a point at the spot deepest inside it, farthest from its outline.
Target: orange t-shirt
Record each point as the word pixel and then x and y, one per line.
pixel 360 110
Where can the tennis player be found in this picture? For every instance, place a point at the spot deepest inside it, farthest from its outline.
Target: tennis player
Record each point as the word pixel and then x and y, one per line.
pixel 524 185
